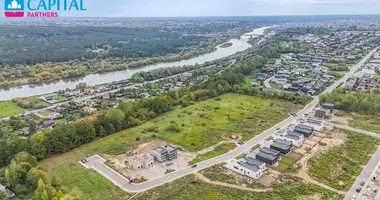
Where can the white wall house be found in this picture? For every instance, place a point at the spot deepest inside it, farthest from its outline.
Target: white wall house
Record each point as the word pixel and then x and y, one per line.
pixel 295 138
pixel 249 167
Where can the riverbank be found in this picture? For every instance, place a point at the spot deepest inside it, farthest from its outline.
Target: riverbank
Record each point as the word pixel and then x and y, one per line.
pixel 101 78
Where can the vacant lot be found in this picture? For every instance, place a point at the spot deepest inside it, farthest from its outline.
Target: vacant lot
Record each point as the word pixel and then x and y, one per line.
pixel 221 174
pixel 219 150
pixel 190 188
pixel 364 122
pixel 194 128
pixel 288 161
pixel 339 166
pixel 9 108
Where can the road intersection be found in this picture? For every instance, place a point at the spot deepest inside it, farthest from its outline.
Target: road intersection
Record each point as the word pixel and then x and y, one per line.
pixel 97 163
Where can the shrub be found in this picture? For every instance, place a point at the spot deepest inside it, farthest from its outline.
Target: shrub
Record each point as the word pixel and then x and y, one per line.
pixel 173 128
pixel 218 99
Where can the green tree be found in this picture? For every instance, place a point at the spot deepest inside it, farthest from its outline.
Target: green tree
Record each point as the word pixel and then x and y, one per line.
pixel 34 175
pixel 86 131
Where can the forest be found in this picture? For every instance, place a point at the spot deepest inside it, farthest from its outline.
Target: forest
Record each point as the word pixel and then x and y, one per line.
pixel 358 102
pixel 33 55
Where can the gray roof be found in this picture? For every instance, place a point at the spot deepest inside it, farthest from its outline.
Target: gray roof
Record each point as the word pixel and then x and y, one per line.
pixel 48 122
pixel 170 148
pixel 267 150
pixel 328 104
pixel 302 130
pixel 159 150
pixel 305 127
pixel 292 137
pixel 251 167
pixel 267 155
pixel 253 161
pixel 282 144
pixel 281 141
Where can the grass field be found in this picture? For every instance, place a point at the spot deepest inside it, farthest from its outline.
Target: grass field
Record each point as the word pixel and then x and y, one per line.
pixel 61 98
pixel 190 188
pixel 364 122
pixel 339 166
pixel 199 126
pixel 9 108
pixel 219 150
pixel 218 173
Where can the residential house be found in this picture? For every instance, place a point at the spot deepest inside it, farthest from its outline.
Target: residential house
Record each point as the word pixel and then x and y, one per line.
pixel 295 138
pixel 268 155
pixel 307 131
pixel 329 106
pixel 89 110
pixel 48 123
pixel 323 113
pixel 250 167
pixel 282 146
pixel 163 154
pixel 142 161
pixel 315 123
pixel 50 97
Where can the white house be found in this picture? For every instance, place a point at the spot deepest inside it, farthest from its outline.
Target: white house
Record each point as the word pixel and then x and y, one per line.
pixel 295 138
pixel 250 167
pixel 315 123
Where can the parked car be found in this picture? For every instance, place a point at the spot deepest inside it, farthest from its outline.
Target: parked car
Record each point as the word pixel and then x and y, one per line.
pixel 358 190
pixel 353 197
pixel 362 183
pixel 86 160
pixel 194 166
pixel 240 143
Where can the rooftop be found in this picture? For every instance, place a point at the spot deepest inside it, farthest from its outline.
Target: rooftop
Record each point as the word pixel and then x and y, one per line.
pixel 170 148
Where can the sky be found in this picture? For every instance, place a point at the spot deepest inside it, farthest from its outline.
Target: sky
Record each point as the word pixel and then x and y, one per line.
pixel 178 8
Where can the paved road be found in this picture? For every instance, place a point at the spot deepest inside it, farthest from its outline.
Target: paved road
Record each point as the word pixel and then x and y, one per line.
pixel 267 82
pixel 365 176
pixel 119 180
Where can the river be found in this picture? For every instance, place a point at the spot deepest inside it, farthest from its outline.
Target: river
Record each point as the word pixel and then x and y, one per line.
pixel 238 45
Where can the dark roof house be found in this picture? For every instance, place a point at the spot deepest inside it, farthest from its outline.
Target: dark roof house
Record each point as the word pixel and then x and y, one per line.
pixel 282 146
pixel 267 155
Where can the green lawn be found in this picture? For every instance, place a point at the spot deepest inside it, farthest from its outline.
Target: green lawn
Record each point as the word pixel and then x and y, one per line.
pixel 199 126
pixel 339 166
pixel 240 156
pixel 61 98
pixel 219 150
pixel 9 108
pixel 190 188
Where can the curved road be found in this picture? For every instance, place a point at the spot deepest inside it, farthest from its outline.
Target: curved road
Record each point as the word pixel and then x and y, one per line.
pixel 96 162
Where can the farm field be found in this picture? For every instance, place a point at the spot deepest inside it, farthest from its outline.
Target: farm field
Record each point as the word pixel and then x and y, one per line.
pixel 191 188
pixel 193 128
pixel 9 108
pixel 339 166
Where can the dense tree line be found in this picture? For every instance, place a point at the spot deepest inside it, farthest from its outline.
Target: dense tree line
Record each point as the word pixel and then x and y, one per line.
pixel 359 102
